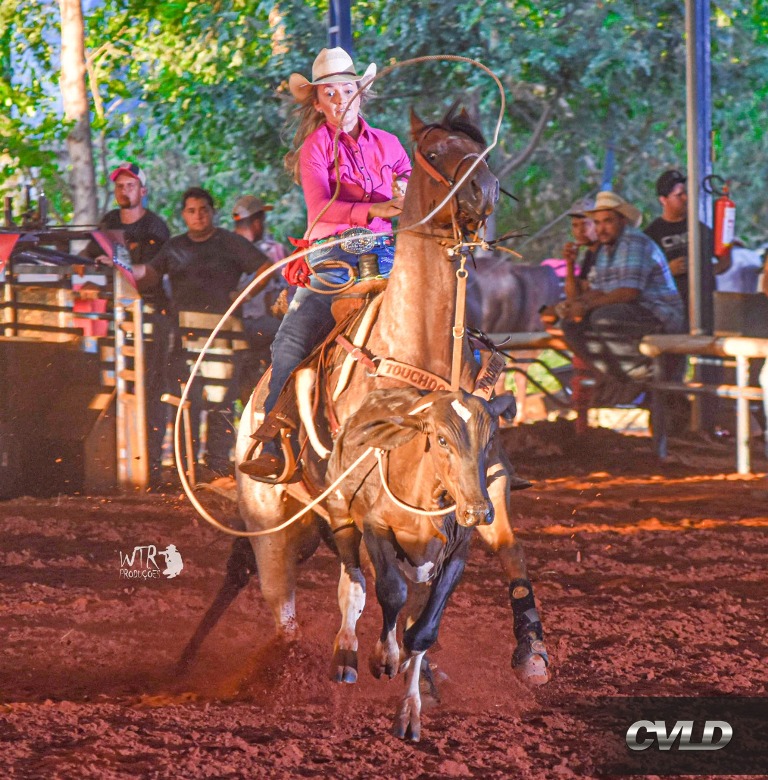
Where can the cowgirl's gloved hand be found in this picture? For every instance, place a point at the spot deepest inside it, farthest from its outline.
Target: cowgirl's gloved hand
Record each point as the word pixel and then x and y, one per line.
pixel 297 272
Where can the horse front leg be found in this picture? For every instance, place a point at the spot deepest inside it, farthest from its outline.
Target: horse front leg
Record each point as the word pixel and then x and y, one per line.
pixel 263 507
pixel 351 596
pixel 529 659
pixel 391 593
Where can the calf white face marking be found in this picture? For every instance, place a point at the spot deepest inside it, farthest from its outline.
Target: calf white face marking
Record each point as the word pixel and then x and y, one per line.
pixel 461 410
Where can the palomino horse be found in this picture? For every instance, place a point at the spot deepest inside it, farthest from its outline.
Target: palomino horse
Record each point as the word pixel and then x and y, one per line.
pixel 436 446
pixel 414 326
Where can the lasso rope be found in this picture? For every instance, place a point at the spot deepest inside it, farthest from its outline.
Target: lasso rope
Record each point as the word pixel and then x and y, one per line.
pixel 302 253
pixel 401 504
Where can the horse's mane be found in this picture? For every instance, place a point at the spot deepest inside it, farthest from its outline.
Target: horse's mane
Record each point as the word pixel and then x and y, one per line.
pixel 457 120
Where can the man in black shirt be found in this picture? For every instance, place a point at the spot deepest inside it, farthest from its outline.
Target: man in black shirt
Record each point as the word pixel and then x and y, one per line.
pixel 670 232
pixel 203 267
pixel 143 232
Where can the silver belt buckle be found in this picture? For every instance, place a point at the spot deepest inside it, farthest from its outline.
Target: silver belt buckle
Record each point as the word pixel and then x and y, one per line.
pixel 357 240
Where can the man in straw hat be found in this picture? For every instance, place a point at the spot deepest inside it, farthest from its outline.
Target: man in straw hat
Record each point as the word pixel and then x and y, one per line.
pixel 373 168
pixel 631 294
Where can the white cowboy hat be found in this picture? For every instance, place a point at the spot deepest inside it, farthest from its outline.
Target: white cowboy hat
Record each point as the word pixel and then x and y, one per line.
pixel 610 201
pixel 331 66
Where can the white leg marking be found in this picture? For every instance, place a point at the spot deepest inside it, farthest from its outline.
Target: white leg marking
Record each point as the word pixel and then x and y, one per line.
pixel 408 717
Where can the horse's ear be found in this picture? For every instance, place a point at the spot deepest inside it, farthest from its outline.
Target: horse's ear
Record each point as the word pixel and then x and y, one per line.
pixel 416 125
pixel 464 116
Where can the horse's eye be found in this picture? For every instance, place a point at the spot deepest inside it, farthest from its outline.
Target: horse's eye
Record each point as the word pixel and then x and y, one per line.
pixel 432 156
pixel 441 441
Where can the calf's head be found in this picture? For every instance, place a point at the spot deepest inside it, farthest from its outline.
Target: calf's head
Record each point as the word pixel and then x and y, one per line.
pixel 459 428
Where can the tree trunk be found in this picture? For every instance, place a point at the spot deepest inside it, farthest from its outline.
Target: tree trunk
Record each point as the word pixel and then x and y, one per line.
pixel 76 109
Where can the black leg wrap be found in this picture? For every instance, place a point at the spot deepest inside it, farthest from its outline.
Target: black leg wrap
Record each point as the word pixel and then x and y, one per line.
pixel 527 624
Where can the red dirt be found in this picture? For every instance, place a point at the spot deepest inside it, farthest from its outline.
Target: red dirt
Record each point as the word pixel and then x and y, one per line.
pixel 651 581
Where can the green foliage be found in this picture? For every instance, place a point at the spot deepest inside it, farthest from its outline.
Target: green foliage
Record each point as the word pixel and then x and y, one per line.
pixel 196 93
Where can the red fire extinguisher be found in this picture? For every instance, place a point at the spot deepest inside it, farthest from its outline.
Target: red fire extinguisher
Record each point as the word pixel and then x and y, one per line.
pixel 725 223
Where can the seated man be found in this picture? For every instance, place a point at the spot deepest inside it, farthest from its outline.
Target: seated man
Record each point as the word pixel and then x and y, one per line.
pixel 631 294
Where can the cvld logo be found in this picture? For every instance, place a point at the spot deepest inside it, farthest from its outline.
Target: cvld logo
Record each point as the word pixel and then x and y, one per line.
pixel 643 733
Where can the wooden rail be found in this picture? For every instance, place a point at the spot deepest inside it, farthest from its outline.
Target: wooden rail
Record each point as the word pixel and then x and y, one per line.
pixel 741 348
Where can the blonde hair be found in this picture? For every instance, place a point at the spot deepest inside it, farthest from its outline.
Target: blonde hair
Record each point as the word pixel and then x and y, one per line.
pixel 307 119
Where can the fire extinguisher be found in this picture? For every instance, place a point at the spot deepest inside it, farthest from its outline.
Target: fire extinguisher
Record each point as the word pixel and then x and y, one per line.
pixel 725 223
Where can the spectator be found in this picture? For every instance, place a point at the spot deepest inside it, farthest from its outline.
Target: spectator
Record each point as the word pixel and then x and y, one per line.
pixel 204 266
pixel 631 294
pixel 670 232
pixel 580 254
pixel 143 233
pixel 259 312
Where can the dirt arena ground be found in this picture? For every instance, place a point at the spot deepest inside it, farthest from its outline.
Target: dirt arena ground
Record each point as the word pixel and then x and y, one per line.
pixel 651 580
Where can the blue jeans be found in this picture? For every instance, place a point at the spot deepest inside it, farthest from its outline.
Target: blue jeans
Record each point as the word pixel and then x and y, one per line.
pixel 307 323
pixel 309 319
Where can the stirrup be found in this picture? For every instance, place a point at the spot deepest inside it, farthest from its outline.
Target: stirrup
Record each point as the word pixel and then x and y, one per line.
pixel 288 465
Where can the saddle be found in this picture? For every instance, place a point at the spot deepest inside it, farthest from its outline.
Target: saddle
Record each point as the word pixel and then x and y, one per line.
pixel 356 316
pixel 282 423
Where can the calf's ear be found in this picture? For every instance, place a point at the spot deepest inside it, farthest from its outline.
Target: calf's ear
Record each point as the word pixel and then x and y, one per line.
pixel 385 434
pixel 503 406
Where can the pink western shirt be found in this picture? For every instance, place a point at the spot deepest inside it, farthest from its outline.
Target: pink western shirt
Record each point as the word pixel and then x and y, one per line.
pixel 366 169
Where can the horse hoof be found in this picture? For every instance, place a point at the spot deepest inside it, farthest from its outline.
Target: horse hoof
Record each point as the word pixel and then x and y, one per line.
pixel 530 662
pixel 533 672
pixel 345 674
pixel 379 668
pixel 430 678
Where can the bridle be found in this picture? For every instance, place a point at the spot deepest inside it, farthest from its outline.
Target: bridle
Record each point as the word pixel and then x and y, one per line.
pixel 431 170
pixel 456 241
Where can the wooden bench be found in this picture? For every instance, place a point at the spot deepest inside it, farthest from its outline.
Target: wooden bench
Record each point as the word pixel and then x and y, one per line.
pixel 740 348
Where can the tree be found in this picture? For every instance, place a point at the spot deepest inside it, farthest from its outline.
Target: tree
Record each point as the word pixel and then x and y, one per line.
pixel 195 92
pixel 77 111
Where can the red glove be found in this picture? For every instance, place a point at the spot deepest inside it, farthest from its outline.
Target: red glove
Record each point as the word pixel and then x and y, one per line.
pixel 297 272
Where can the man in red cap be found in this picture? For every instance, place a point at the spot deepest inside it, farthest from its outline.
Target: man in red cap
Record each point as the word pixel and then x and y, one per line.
pixel 143 233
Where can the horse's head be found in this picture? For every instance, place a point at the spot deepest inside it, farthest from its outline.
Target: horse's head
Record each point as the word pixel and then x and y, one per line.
pixel 459 428
pixel 443 153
